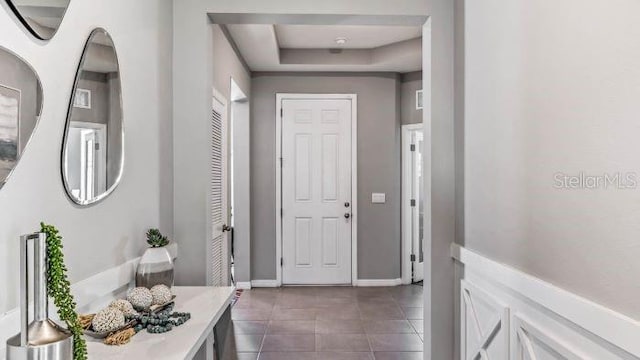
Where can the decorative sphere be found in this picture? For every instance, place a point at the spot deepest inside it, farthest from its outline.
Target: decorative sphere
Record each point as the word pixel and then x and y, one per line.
pixel 108 319
pixel 140 298
pixel 124 306
pixel 161 294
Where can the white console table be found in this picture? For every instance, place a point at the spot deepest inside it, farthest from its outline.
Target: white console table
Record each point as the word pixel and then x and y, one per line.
pixel 206 305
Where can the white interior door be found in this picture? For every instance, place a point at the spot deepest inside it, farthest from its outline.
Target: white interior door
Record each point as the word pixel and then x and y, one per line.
pixel 316 191
pixel 417 212
pixel 218 248
pixel 412 204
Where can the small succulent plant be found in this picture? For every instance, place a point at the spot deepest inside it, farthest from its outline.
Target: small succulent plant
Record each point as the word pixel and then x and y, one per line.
pixel 156 239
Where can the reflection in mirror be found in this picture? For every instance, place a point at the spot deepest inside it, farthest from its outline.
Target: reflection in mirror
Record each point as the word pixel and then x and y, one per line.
pixel 41 17
pixel 93 153
pixel 20 106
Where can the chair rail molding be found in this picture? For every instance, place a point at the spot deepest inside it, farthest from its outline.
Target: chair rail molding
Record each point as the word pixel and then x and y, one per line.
pixel 508 314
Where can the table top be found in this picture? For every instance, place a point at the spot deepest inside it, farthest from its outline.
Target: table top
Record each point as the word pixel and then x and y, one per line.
pixel 206 305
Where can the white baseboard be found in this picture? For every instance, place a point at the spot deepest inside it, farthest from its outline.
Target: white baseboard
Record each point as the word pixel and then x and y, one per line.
pixel 534 317
pixel 243 285
pixel 265 283
pixel 378 282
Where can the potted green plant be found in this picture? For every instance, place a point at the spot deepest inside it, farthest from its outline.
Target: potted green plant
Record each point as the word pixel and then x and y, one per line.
pixel 156 264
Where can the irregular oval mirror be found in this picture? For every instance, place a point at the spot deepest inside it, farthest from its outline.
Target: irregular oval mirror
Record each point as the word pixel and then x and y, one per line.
pixel 93 150
pixel 20 105
pixel 41 17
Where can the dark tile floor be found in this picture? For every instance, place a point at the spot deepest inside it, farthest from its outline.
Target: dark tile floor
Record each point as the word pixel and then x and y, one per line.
pixel 327 323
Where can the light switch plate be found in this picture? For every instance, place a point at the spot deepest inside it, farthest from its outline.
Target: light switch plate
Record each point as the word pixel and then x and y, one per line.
pixel 378 198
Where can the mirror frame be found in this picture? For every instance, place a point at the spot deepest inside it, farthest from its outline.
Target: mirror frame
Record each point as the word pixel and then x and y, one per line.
pixel 67 125
pixel 25 24
pixel 4 181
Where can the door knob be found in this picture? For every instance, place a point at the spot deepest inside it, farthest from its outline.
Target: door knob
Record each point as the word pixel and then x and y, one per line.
pixel 347 215
pixel 225 228
pixel 347 204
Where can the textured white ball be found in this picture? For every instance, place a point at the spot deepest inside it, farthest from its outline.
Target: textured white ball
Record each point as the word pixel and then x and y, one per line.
pixel 140 298
pixel 108 319
pixel 124 306
pixel 161 294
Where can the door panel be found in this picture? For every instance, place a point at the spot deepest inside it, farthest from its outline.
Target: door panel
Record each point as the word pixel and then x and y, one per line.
pixel 218 250
pixel 417 185
pixel 316 184
pixel 303 238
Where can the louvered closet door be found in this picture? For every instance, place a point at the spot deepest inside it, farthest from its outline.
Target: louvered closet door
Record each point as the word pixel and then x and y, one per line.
pixel 218 274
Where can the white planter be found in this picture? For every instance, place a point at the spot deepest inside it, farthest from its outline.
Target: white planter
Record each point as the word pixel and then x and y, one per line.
pixel 155 267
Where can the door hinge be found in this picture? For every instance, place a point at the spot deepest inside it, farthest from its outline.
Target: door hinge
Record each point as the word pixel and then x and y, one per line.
pixel 281 262
pixel 281 112
pixel 413 147
pixel 96 146
pixel 413 202
pixel 281 212
pixel 413 257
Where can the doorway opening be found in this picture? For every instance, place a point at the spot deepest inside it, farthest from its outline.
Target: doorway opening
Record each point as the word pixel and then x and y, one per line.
pixel 239 182
pixel 412 204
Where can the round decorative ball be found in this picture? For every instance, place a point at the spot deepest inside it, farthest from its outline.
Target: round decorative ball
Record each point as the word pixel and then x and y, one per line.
pixel 124 306
pixel 140 298
pixel 161 294
pixel 108 319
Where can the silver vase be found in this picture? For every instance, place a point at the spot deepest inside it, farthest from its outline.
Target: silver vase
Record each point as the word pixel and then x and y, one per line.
pixel 155 267
pixel 42 339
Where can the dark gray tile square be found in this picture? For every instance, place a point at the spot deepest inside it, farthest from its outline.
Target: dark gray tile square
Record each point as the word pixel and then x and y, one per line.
pixel 387 327
pixel 291 327
pixel 339 327
pixel 283 343
pixel 395 342
pixel 342 343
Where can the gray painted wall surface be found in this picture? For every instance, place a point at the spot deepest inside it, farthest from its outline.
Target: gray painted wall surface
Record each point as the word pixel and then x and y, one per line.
pixel 540 100
pixel 378 168
pixel 410 115
pixel 110 233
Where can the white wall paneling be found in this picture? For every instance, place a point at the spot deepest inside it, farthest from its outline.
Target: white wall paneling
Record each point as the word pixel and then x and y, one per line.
pixel 507 314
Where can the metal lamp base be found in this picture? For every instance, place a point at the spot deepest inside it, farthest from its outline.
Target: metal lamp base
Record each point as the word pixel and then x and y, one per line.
pixel 60 350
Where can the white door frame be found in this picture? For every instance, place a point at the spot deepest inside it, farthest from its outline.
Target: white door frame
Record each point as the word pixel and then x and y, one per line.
pixel 354 176
pixel 407 178
pixel 101 130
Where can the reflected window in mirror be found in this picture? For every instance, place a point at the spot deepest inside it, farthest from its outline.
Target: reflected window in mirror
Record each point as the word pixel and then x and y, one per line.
pixel 93 153
pixel 41 17
pixel 20 107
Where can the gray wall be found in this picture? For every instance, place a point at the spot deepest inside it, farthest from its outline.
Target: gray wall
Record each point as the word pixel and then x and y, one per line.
pixel 378 167
pixel 548 92
pixel 193 139
pixel 98 237
pixel 411 83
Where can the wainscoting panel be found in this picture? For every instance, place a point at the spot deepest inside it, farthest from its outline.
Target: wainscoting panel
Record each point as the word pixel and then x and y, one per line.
pixel 485 324
pixel 507 314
